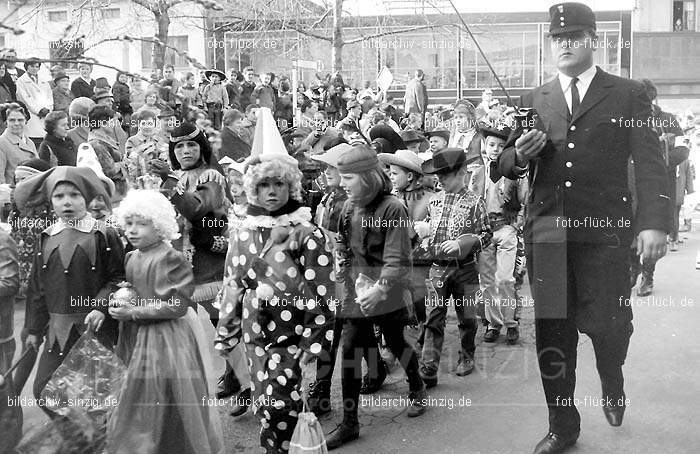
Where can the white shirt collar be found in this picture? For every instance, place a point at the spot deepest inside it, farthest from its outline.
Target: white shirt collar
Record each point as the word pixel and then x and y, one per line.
pixel 584 81
pixel 85 225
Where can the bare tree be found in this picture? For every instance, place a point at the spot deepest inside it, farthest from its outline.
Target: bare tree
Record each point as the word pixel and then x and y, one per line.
pixel 324 23
pixel 161 10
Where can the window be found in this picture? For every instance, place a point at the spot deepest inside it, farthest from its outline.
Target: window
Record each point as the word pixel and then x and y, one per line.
pixel 66 49
pixel 171 58
pixel 110 13
pixel 683 15
pixel 58 16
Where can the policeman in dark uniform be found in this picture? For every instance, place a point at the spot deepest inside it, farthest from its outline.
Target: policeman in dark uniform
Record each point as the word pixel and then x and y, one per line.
pixel 580 224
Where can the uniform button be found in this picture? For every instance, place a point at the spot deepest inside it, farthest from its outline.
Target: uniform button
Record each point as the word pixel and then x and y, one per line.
pixel 571 145
pixel 572 128
pixel 568 164
pixel 567 184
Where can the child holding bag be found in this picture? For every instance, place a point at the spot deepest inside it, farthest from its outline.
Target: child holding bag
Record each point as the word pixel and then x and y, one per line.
pixel 163 405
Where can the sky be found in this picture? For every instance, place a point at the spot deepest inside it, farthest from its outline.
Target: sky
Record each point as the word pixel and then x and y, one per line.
pixel 375 7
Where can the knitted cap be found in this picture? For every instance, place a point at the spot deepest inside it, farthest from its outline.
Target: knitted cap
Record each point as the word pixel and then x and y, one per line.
pixel 358 159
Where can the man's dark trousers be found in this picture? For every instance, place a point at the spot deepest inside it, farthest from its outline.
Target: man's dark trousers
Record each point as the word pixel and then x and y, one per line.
pixel 579 287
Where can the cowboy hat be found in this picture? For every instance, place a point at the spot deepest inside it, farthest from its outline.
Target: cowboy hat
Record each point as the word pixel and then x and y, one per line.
pixel 403 158
pixel 209 72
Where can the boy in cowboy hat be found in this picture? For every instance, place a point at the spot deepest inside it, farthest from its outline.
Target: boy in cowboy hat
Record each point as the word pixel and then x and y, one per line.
pixel 438 138
pixel 406 175
pixel 214 96
pixel 456 231
pixel 503 199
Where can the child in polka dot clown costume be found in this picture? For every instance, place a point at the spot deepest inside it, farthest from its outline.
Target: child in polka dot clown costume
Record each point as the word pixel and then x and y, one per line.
pixel 276 296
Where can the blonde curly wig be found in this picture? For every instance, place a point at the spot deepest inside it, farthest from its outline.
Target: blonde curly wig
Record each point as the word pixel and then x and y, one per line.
pixel 151 205
pixel 272 169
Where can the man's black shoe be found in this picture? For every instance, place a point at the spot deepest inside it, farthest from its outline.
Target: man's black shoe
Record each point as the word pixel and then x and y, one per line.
pixel 372 385
pixel 242 403
pixel 342 434
pixel 555 444
pixel 615 412
pixel 228 385
pixel 491 335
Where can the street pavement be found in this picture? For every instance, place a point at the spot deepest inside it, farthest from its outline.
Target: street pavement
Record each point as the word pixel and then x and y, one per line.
pixel 499 408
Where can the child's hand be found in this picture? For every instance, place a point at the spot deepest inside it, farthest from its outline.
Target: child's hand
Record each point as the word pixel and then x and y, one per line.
pixel 94 320
pixel 422 228
pixel 33 341
pixel 121 313
pixel 450 247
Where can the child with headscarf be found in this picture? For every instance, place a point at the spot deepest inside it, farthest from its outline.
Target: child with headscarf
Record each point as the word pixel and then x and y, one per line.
pixel 77 264
pixel 164 401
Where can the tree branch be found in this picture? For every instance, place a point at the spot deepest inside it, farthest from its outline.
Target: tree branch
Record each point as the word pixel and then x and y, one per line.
pixel 391 32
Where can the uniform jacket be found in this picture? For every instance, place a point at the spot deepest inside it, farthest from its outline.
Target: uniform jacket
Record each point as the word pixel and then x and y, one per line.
pixel 581 175
pixel 36 96
pixel 61 99
pixel 416 96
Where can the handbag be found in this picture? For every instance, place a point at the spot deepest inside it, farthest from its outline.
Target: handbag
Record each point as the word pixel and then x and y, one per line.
pixel 308 434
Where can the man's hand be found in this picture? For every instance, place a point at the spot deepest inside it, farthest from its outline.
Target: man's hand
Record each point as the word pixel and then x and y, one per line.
pixel 529 145
pixel 94 320
pixel 651 245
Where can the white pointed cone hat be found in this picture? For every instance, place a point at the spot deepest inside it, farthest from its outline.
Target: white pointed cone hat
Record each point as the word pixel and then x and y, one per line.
pixel 267 142
pixel 88 158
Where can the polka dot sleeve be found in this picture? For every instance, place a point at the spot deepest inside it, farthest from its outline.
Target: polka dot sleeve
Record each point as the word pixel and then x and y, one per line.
pixel 317 267
pixel 230 299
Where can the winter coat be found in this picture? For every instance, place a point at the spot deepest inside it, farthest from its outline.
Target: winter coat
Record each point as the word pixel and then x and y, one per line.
pixel 35 96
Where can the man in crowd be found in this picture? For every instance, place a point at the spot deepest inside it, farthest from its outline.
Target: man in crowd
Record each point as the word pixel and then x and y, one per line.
pixel 674 152
pixel 578 171
pixel 264 95
pixel 416 96
pixel 172 84
pixel 247 87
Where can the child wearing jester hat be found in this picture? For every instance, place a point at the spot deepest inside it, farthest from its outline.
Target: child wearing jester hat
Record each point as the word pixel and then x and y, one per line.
pixel 277 286
pixel 78 263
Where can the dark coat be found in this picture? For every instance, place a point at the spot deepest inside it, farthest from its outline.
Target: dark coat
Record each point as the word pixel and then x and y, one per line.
pixel 58 152
pixel 233 146
pixel 81 88
pixel 582 171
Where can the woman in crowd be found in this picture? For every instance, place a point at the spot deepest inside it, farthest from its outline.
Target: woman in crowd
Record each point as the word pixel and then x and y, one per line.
pixel 15 146
pixel 103 140
pixel 375 256
pixel 57 149
pixel 122 99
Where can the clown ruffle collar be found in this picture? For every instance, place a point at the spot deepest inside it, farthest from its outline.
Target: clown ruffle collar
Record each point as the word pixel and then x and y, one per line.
pixel 300 215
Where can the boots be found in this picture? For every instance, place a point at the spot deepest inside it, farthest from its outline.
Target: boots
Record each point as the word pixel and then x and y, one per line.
pixel 320 397
pixel 647 285
pixel 242 403
pixel 228 384
pixel 372 385
pixel 418 403
pixel 347 431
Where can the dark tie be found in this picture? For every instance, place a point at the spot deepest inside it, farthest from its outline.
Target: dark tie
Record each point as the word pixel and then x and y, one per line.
pixel 575 100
